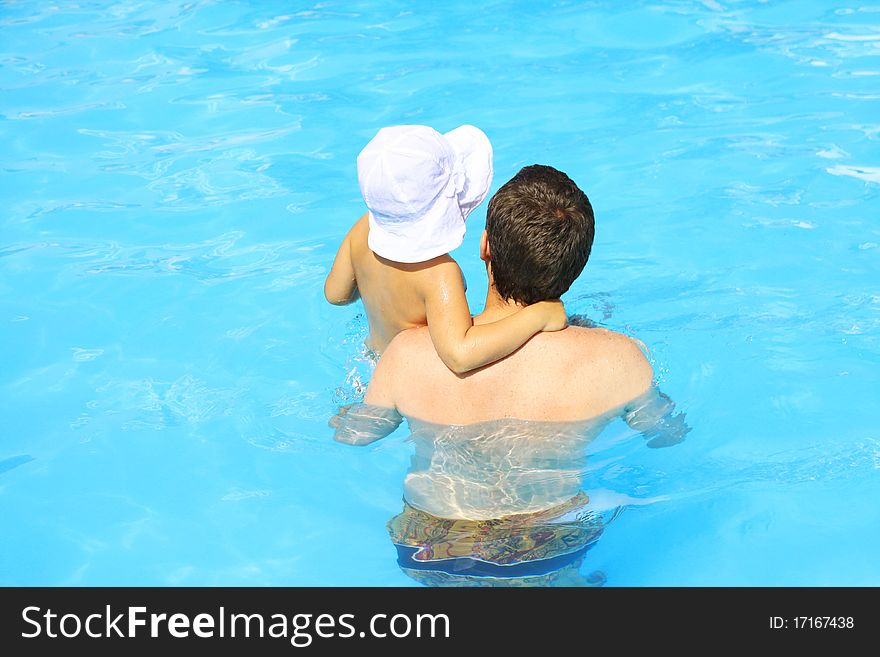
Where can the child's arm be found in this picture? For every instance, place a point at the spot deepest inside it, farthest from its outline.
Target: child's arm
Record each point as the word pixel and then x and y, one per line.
pixel 464 347
pixel 340 288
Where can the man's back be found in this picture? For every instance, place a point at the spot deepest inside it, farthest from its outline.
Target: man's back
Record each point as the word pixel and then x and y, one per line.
pixel 573 374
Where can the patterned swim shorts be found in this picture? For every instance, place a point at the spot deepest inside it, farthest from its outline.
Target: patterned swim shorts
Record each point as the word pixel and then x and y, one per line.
pixel 530 549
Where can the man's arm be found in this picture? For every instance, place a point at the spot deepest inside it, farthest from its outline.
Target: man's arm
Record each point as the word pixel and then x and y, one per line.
pixel 651 414
pixel 362 424
pixel 645 408
pixel 340 288
pixel 464 347
pixel 377 416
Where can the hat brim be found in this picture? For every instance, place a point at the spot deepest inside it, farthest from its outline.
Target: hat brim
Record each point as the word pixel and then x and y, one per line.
pixel 474 151
pixel 433 235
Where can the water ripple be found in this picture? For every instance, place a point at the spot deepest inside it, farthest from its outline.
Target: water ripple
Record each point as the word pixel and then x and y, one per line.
pixel 211 261
pixel 868 174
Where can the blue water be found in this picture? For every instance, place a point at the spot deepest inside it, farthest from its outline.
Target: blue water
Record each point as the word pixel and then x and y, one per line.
pixel 177 176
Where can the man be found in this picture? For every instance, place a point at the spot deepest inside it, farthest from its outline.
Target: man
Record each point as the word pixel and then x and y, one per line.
pixel 538 237
pixel 504 444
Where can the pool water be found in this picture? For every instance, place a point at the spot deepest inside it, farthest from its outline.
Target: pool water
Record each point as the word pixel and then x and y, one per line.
pixel 176 177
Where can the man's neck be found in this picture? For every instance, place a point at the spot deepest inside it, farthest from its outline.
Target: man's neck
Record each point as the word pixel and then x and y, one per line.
pixel 496 308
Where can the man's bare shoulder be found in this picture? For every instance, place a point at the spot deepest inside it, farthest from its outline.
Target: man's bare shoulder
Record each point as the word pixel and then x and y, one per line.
pixel 618 355
pixel 410 346
pixel 596 335
pixel 399 364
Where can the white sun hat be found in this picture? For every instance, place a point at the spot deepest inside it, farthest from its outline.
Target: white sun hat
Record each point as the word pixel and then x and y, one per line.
pixel 420 186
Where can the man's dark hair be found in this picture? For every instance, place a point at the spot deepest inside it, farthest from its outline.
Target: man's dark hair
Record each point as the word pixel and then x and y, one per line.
pixel 540 229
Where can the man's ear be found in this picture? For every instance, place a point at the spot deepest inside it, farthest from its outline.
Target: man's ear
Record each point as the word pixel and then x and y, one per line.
pixel 484 247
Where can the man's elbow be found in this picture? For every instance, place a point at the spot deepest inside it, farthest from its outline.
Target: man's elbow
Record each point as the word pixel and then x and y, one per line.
pixel 351 438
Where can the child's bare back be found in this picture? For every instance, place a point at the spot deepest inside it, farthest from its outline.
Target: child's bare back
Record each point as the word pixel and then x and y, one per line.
pixel 393 292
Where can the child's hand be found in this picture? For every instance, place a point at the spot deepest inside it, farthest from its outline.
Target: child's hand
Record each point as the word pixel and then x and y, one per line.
pixel 555 318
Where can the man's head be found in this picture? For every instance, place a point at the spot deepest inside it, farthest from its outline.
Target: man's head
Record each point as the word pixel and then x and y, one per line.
pixel 540 231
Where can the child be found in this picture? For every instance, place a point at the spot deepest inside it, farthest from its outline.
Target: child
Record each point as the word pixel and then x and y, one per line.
pixel 420 187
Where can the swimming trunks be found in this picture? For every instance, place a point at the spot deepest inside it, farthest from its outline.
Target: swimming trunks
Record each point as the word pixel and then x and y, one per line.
pixel 525 549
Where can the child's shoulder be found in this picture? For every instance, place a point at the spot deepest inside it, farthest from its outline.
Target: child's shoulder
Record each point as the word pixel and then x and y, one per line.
pixel 442 271
pixel 359 233
pixel 444 264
